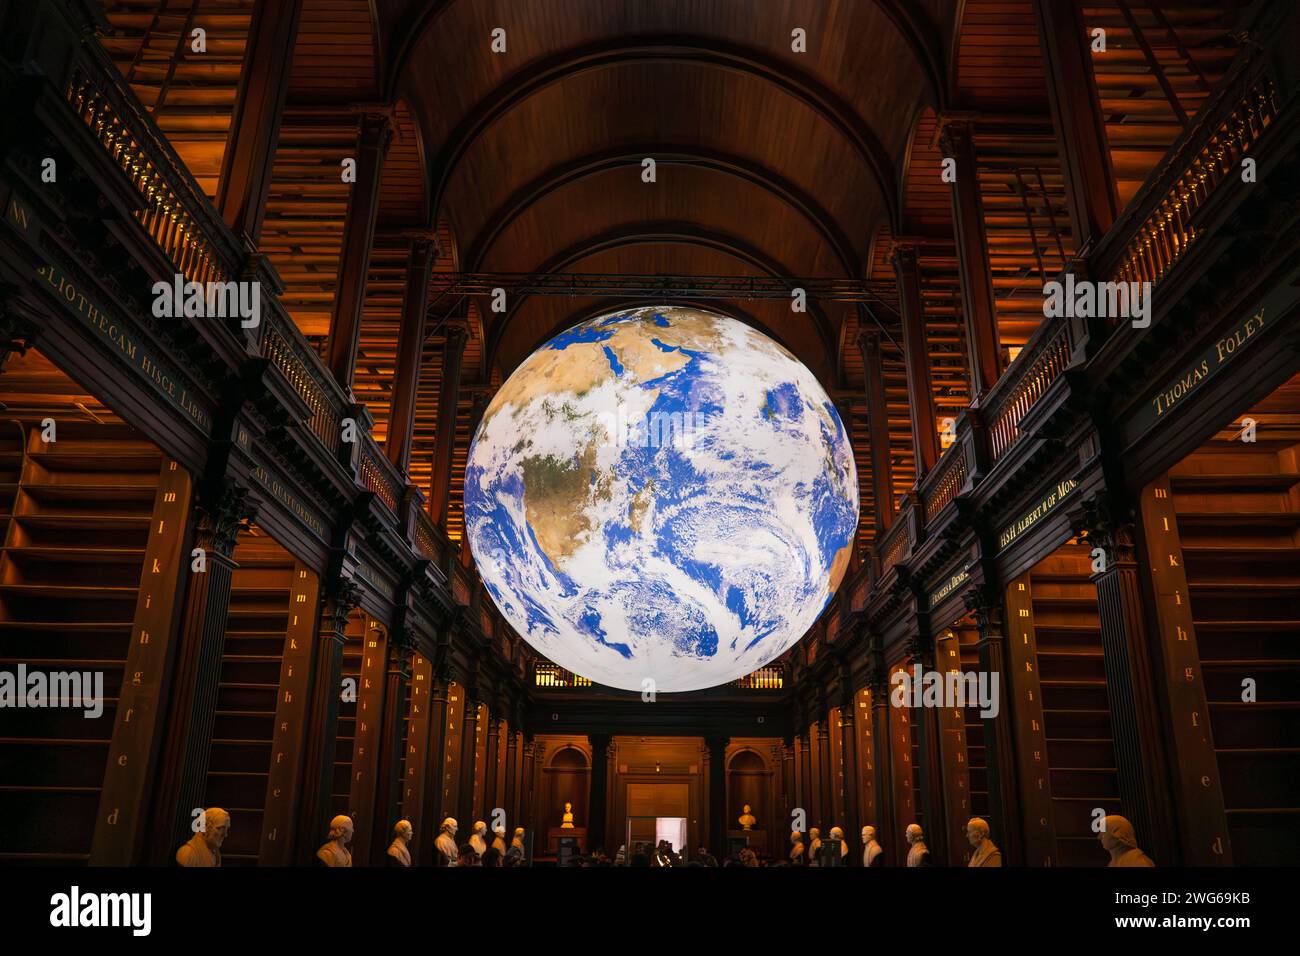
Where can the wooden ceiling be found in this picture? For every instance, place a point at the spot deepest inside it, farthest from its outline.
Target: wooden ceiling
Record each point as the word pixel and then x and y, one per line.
pixel 768 161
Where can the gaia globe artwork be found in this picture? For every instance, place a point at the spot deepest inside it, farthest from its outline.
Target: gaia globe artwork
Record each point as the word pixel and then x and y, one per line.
pixel 661 498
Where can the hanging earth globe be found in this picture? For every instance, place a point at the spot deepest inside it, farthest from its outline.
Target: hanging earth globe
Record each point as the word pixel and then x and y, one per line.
pixel 661 498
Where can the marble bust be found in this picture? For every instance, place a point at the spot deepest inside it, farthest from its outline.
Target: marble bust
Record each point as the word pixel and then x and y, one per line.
pixel 871 850
pixel 567 822
pixel 499 841
pixel 399 852
pixel 204 848
pixel 478 838
pixel 446 846
pixel 515 854
pixel 814 845
pixel 796 848
pixel 919 854
pixel 986 854
pixel 747 820
pixel 838 834
pixel 334 852
pixel 1120 840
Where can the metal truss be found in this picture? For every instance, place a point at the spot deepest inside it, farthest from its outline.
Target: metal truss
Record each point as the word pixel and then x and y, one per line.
pixel 593 285
pixel 450 290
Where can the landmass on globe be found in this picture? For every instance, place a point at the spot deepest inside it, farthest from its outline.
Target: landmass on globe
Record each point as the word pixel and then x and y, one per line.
pixel 661 495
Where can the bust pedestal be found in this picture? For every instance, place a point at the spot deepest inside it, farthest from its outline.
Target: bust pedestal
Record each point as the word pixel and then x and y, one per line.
pixel 553 837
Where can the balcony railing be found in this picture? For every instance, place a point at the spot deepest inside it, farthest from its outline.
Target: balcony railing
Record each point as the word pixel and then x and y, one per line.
pixel 771 677
pixel 187 230
pixel 173 211
pixel 379 475
pixel 297 362
pixel 427 537
pixel 546 674
pixel 896 543
pixel 1040 363
pixel 943 484
pixel 1159 222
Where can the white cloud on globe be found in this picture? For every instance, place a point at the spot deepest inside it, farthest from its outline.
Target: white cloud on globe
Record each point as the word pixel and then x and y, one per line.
pixel 661 493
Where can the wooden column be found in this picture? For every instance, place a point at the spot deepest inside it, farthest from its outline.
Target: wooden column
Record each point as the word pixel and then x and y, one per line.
pixel 929 752
pixel 789 787
pixel 813 796
pixel 366 740
pixel 492 760
pixel 284 784
pixel 1203 823
pixel 456 335
pixel 954 771
pixel 825 775
pixel 882 468
pixel 465 808
pixel 255 122
pixel 358 236
pixel 323 717
pixel 864 782
pixel 979 309
pixel 999 752
pixel 889 827
pixel 1131 684
pixel 718 794
pixel 1077 120
pixel 803 795
pixel 182 776
pixel 512 806
pixel 388 788
pixel 851 821
pixel 123 817
pixel 1029 748
pixel 419 768
pixel 901 770
pixel 916 355
pixel 434 807
pixel 527 772
pixel 410 353
pixel 597 808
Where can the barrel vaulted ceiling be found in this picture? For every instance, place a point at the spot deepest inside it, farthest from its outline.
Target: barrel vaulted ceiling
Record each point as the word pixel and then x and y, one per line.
pixel 769 162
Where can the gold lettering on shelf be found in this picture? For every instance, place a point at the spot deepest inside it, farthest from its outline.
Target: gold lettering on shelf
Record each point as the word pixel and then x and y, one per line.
pixel 162 379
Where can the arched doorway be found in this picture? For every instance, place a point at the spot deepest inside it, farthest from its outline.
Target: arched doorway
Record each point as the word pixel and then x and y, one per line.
pixel 567 777
pixel 748 783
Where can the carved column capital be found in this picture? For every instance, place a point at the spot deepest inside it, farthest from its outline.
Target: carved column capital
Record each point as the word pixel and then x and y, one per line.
pixel 1109 526
pixel 985 603
pixel 343 600
pixel 223 511
pixel 920 645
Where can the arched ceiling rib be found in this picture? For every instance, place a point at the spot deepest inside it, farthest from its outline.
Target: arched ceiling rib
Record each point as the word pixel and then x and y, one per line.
pixel 557 177
pixel 534 150
pixel 669 50
pixel 667 245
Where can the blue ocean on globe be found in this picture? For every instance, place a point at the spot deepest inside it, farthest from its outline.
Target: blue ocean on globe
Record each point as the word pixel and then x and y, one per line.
pixel 661 498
